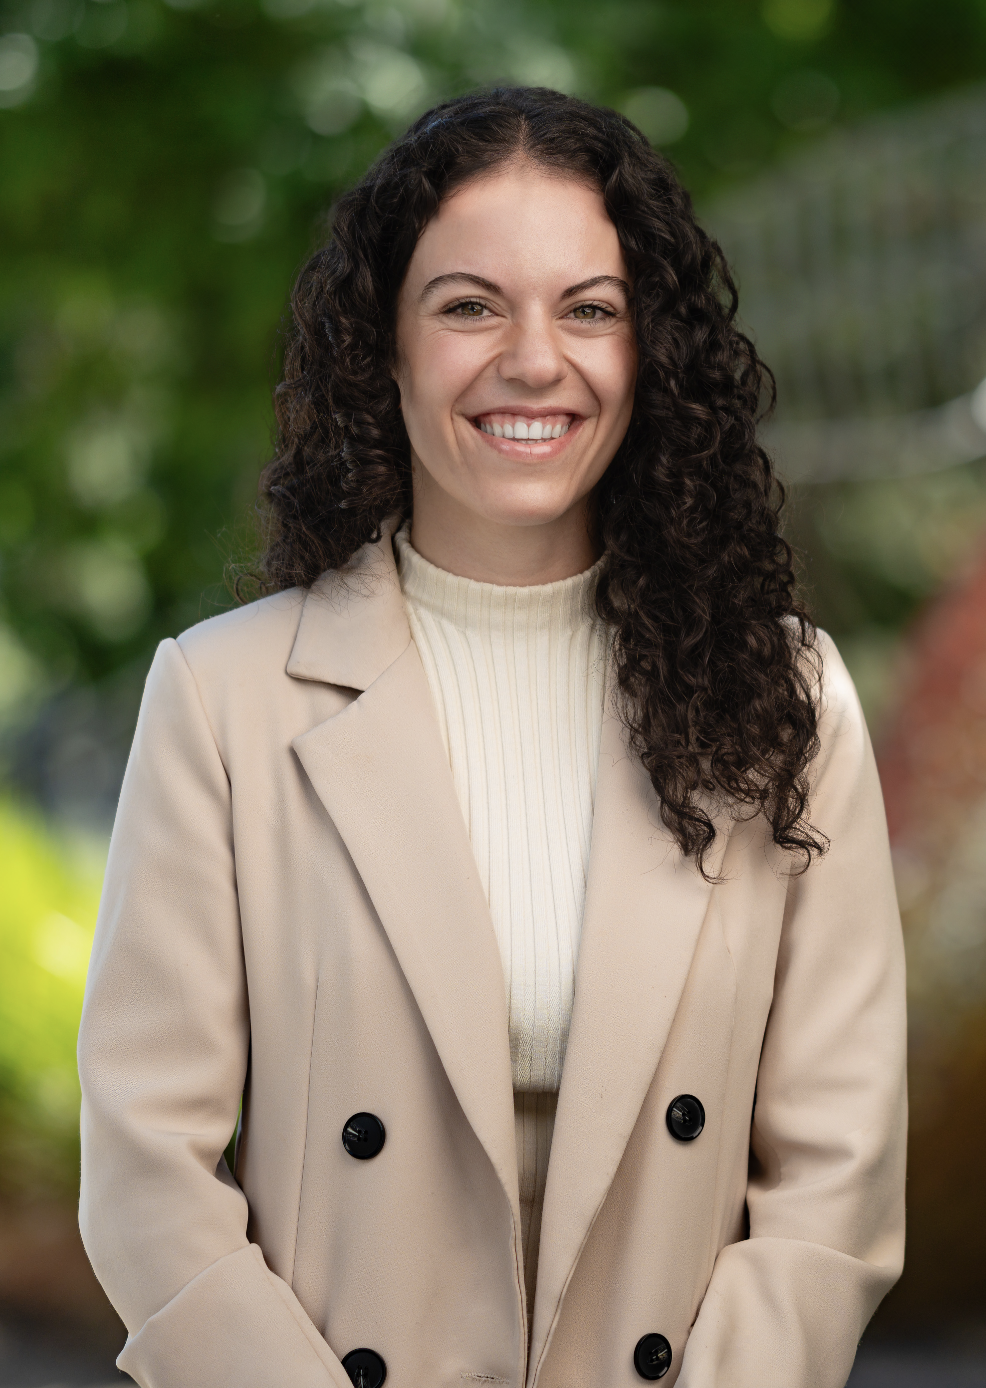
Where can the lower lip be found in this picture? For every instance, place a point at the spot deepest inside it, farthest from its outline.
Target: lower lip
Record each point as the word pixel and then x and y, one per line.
pixel 530 448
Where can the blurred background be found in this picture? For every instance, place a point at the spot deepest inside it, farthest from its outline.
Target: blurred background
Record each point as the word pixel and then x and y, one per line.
pixel 165 167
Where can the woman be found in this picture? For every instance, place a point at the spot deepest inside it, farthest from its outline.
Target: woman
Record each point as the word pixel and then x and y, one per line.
pixel 531 691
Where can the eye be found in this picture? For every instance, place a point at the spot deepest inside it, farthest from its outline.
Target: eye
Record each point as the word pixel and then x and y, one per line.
pixel 590 313
pixel 468 308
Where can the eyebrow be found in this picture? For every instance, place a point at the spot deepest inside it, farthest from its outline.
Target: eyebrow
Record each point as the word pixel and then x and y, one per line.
pixel 459 277
pixel 610 281
pixel 462 277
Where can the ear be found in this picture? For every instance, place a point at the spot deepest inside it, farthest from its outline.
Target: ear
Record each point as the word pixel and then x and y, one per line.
pixel 397 367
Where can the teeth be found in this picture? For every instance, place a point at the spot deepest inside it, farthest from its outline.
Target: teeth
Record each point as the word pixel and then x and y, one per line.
pixel 520 428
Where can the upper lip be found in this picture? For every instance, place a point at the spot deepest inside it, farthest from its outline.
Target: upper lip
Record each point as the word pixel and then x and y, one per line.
pixel 528 411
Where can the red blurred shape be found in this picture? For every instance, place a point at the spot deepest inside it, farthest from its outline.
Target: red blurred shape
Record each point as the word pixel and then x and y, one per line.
pixel 933 760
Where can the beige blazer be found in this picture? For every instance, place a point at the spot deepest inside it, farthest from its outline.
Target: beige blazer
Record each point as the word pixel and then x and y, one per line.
pixel 292 913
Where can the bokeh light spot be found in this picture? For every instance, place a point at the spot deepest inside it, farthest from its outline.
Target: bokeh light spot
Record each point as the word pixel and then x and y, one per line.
pixel 658 112
pixel 18 68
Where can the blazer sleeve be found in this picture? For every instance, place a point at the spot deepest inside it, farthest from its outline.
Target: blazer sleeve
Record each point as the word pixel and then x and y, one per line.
pixel 785 1307
pixel 162 1060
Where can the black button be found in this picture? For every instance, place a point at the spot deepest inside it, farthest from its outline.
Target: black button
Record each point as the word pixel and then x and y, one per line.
pixel 685 1117
pixel 363 1136
pixel 652 1357
pixel 364 1366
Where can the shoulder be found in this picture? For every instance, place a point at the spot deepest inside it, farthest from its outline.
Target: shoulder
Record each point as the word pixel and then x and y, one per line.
pixel 836 691
pixel 844 740
pixel 838 702
pixel 245 641
pixel 825 674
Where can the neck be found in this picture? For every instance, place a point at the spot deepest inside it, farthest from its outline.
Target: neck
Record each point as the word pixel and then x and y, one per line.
pixel 462 542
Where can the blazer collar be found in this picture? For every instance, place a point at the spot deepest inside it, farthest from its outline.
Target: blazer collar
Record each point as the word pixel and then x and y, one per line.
pixel 354 623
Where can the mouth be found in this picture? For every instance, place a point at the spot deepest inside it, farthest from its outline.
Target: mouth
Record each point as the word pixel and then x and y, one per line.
pixel 527 427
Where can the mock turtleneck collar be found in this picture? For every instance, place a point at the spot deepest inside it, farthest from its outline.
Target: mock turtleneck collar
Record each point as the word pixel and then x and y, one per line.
pixel 470 605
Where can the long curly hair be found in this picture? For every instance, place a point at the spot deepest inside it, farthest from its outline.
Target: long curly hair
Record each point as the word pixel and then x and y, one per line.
pixel 716 661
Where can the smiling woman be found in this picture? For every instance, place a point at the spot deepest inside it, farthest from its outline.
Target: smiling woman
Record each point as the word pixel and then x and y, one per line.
pixel 514 400
pixel 519 861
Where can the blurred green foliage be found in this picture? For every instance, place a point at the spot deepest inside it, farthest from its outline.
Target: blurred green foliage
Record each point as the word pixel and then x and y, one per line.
pixel 47 917
pixel 163 172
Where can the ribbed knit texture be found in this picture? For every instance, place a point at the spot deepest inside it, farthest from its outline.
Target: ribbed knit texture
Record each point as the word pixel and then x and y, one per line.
pixel 517 675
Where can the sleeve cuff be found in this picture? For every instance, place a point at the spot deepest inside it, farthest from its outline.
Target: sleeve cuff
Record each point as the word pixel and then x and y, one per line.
pixel 780 1312
pixel 235 1325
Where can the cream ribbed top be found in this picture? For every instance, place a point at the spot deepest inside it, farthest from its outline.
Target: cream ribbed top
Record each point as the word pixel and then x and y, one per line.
pixel 517 676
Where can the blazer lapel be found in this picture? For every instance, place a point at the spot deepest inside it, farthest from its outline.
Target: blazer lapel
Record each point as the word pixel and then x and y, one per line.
pixel 381 771
pixel 644 910
pixel 353 624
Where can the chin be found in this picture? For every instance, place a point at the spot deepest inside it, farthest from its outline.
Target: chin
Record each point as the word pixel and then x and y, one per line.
pixel 524 506
pixel 522 515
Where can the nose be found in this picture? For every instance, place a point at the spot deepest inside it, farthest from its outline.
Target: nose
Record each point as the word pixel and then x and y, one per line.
pixel 531 356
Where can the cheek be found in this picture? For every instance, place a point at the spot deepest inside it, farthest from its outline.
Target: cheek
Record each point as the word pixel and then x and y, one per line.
pixel 421 402
pixel 609 369
pixel 455 360
pixel 437 369
pixel 620 376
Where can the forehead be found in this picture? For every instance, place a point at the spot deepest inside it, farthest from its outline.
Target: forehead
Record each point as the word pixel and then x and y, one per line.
pixel 522 228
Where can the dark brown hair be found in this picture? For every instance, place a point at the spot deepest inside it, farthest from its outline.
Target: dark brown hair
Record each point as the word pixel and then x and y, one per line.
pixel 716 660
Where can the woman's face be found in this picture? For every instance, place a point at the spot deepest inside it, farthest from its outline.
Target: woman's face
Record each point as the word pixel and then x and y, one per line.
pixel 517 357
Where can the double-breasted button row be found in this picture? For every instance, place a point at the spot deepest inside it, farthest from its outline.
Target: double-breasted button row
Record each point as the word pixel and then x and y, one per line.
pixel 363 1137
pixel 365 1367
pixel 652 1356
